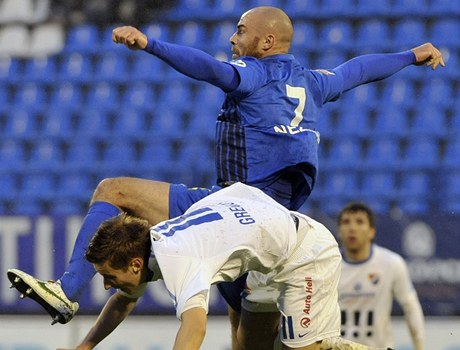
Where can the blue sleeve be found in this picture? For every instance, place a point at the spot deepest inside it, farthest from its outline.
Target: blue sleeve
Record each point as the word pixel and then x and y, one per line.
pixel 195 64
pixel 361 70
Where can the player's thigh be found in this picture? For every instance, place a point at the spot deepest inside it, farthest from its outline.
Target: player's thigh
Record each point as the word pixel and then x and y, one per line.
pixel 147 199
pixel 258 330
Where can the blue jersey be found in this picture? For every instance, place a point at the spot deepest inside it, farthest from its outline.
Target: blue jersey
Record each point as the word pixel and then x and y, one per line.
pixel 266 131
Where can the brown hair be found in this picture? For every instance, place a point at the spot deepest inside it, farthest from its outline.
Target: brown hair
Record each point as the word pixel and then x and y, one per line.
pixel 118 240
pixel 354 207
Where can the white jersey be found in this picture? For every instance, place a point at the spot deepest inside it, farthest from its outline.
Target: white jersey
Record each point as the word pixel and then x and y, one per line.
pixel 366 293
pixel 240 229
pixel 219 238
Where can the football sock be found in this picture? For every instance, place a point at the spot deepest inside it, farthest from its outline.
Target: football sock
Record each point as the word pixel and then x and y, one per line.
pixel 79 272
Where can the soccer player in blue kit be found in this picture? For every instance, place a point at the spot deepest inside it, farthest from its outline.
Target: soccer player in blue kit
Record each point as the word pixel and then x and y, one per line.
pixel 265 136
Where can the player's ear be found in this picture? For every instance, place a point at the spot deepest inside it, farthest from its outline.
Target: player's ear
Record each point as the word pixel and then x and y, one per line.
pixel 136 265
pixel 269 41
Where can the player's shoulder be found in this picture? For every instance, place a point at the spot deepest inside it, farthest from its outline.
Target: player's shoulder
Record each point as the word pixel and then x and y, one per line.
pixel 389 256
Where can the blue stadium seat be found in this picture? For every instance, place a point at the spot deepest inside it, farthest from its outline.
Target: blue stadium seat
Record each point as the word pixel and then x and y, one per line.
pixel 381 184
pixel 82 155
pixel 12 154
pixel 450 159
pixel 74 186
pixel 10 69
pixel 332 8
pixel 36 186
pixel 139 95
pixel 147 68
pixel 66 95
pixel 220 36
pixel 449 199
pixel 383 153
pixel 91 121
pixel 353 120
pixel 118 154
pixel 111 67
pixel 301 9
pixel 429 119
pixel 192 34
pixel 421 153
pixel 40 69
pixel 345 153
pixel 227 10
pixel 76 67
pixel 444 7
pixel 58 122
pixel 409 33
pixel 398 91
pixel 445 32
pixel 83 38
pixel 379 8
pixel 68 206
pixel 305 35
pixel 373 32
pixel 257 3
pixel 329 59
pixel 189 9
pixel 414 192
pixel 8 186
pixel 196 155
pixel 102 95
pixel 175 94
pixel 156 156
pixel 208 97
pixel 337 188
pixel 157 30
pixel 25 205
pixel 129 122
pixel 364 95
pixel 437 91
pixel 30 95
pixel 46 154
pixel 168 122
pixel 390 120
pixel 336 34
pixel 22 123
pixel 409 7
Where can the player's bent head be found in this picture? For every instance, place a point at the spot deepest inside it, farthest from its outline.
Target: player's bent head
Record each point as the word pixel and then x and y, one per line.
pixel 119 240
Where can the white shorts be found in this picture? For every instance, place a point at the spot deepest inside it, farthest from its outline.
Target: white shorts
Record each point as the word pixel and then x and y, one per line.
pixel 304 289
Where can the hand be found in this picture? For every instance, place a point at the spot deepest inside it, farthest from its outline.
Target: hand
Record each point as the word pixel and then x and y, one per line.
pixel 428 55
pixel 133 38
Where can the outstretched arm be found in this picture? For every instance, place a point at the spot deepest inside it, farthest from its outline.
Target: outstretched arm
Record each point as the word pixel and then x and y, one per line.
pixel 189 61
pixel 192 330
pixel 373 67
pixel 115 311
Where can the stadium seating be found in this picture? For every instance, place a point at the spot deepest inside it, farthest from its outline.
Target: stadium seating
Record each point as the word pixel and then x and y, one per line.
pixel 97 109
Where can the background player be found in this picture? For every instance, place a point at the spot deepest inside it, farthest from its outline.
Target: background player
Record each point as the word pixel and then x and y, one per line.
pixel 272 102
pixel 371 277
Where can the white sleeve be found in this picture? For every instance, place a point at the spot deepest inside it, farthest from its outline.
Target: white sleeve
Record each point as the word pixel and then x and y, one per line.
pixel 406 296
pixel 198 300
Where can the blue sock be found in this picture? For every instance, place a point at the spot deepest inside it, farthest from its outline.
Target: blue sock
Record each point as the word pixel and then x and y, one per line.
pixel 79 272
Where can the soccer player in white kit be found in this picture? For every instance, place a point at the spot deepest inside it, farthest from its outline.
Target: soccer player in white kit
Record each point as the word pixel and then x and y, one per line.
pixel 372 276
pixel 233 231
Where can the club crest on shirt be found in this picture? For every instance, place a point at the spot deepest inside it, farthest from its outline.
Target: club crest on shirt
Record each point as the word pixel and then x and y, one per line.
pixel 324 71
pixel 374 278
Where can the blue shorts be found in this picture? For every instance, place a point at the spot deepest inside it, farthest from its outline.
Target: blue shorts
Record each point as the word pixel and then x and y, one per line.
pixel 182 197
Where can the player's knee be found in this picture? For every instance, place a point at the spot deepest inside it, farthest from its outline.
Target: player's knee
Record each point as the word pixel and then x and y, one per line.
pixel 107 190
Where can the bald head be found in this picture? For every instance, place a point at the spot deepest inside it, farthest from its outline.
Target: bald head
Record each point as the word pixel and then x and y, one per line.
pixel 269 28
pixel 274 21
